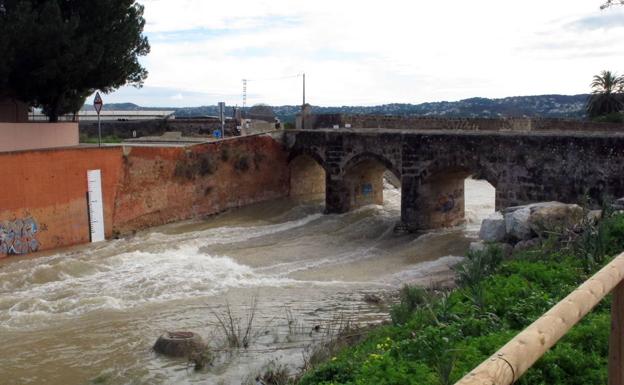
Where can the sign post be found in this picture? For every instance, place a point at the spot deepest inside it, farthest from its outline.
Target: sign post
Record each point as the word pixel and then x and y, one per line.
pixel 222 117
pixel 97 104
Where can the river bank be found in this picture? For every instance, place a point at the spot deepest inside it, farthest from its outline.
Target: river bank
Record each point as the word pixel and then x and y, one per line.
pixel 96 311
pixel 437 337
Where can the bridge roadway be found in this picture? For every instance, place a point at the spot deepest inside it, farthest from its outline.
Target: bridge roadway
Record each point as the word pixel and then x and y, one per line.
pixel 523 166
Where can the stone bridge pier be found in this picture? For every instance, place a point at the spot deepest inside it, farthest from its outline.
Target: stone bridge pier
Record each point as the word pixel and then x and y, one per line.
pixel 524 167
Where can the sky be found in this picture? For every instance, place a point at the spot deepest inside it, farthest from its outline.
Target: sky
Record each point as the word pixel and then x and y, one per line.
pixel 372 52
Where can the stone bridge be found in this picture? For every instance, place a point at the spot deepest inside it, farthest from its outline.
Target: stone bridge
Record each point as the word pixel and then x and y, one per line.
pixel 523 166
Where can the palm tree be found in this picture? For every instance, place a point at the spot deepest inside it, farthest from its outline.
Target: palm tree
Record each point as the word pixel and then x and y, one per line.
pixel 606 97
pixel 609 3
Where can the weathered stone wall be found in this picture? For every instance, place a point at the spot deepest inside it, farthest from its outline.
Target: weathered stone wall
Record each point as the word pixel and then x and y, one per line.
pixel 307 179
pixel 524 167
pixel 473 124
pixel 364 183
pixel 43 200
pixel 188 127
pixel 162 185
pixel 443 203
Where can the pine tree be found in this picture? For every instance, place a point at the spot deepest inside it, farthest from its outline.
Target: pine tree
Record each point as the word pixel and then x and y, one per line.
pixel 54 53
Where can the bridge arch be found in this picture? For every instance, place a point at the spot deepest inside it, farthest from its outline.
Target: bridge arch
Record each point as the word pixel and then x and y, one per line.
pixel 438 198
pixel 363 179
pixel 307 176
pixel 371 157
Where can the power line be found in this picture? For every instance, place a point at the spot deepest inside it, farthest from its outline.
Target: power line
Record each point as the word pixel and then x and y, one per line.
pixel 271 79
pixel 245 81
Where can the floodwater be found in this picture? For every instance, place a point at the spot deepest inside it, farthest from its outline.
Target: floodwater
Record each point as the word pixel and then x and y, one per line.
pixel 90 315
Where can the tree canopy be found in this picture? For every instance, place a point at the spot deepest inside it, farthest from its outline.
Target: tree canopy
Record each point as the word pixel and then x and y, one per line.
pixel 606 97
pixel 609 3
pixel 55 53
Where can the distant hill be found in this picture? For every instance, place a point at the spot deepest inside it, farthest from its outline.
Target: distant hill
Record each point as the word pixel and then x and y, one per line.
pixel 548 106
pixel 128 107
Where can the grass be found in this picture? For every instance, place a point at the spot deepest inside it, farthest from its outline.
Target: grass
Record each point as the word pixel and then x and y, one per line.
pixel 437 337
pixel 105 139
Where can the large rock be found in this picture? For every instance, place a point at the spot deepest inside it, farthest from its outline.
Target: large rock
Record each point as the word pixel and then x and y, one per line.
pixel 517 223
pixel 618 204
pixel 554 217
pixel 477 247
pixel 527 244
pixel 493 228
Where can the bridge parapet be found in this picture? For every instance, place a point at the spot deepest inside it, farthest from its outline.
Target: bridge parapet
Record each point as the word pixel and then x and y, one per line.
pixel 524 167
pixel 328 121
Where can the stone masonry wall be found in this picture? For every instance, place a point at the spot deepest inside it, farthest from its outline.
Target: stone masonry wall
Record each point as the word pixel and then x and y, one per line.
pixel 162 185
pixel 525 167
pixel 188 127
pixel 473 124
pixel 43 197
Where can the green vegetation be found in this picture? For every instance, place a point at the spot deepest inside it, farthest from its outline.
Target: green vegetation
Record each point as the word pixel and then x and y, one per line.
pixel 606 98
pixel 194 164
pixel 436 337
pixel 242 163
pixel 55 53
pixel 105 139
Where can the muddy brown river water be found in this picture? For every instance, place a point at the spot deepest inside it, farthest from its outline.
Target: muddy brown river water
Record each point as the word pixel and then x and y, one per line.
pixel 90 314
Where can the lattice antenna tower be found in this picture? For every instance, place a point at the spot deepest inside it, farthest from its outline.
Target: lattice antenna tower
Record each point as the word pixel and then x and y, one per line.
pixel 244 94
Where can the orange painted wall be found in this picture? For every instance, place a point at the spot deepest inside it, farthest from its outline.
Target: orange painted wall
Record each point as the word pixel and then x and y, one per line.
pixel 162 185
pixel 43 202
pixel 48 187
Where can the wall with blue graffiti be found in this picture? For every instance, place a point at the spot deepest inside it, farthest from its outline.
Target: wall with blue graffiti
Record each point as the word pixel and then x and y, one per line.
pixel 19 236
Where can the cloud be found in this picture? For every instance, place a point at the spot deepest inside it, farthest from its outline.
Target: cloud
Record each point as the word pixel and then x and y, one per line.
pixel 364 52
pixel 607 20
pixel 163 97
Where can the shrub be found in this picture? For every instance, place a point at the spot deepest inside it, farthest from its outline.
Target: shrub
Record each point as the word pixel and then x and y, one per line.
pixel 193 165
pixel 410 299
pixel 242 163
pixel 437 339
pixel 257 159
pixel 225 153
pixel 478 265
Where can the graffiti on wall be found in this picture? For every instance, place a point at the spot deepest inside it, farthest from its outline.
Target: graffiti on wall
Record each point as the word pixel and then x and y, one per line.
pixel 19 236
pixel 447 202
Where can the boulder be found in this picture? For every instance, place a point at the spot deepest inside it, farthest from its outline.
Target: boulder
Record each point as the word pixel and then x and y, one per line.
pixel 477 246
pixel 527 244
pixel 507 249
pixel 493 228
pixel 618 204
pixel 517 223
pixel 593 216
pixel 554 217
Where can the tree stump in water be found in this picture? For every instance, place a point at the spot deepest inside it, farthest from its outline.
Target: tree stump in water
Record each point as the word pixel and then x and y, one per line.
pixel 179 344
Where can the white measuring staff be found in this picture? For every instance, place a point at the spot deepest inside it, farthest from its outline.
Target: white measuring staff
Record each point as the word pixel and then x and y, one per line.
pixel 96 207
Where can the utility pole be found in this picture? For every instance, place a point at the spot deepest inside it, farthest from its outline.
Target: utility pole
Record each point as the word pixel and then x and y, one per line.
pixel 244 94
pixel 303 105
pixel 222 118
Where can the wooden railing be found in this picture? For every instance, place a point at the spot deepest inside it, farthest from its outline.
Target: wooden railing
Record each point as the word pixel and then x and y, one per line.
pixel 518 355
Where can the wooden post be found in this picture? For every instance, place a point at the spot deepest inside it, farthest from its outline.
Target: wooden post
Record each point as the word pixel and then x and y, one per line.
pixel 616 340
pixel 511 361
